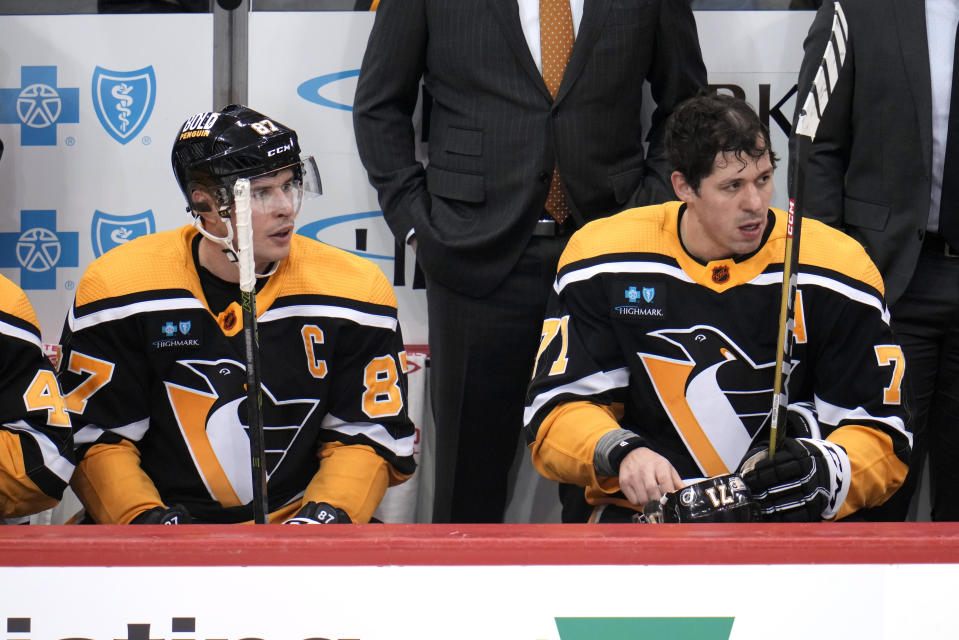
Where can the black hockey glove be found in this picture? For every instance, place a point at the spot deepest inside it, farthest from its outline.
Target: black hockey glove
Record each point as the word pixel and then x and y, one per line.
pixel 806 480
pixel 319 513
pixel 802 420
pixel 176 514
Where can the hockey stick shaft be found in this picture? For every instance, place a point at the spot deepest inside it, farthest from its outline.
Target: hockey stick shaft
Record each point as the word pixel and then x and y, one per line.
pixel 254 407
pixel 806 127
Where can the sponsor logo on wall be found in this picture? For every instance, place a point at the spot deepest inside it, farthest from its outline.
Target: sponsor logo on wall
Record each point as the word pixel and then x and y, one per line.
pixel 322 90
pixel 39 249
pixel 351 233
pixel 39 105
pixel 108 230
pixel 685 628
pixel 123 100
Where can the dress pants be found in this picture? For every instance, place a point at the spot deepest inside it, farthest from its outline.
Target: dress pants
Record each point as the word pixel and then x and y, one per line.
pixel 481 362
pixel 925 320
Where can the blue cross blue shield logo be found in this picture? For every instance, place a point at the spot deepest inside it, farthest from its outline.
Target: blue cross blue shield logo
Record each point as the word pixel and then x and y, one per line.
pixel 39 105
pixel 109 231
pixel 124 100
pixel 39 249
pixel 185 327
pixel 649 293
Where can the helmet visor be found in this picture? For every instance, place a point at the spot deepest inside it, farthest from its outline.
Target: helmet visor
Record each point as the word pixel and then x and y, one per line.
pixel 267 191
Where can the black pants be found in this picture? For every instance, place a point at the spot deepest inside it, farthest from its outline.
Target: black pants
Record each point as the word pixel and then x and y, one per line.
pixel 481 362
pixel 926 323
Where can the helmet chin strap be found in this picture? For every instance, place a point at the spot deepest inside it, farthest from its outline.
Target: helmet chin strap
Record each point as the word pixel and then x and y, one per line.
pixel 227 244
pixel 226 241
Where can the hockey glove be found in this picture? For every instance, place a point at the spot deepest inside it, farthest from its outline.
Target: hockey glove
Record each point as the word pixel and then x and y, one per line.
pixel 805 481
pixel 176 514
pixel 319 513
pixel 802 420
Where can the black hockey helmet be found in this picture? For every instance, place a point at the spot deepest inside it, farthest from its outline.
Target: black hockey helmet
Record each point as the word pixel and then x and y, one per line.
pixel 724 498
pixel 214 149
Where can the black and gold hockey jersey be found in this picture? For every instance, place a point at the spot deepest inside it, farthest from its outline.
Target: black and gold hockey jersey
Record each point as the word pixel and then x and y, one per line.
pixel 157 385
pixel 36 445
pixel 642 336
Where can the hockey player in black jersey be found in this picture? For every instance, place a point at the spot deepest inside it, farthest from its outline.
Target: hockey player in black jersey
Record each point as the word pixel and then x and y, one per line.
pixel 154 358
pixel 36 445
pixel 657 356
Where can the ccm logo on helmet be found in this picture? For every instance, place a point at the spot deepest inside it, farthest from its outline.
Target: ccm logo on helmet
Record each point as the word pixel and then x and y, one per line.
pixel 278 150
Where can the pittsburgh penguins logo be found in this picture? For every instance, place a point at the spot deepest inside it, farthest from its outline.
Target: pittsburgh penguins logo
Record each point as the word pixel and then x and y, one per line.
pixel 212 416
pixel 716 396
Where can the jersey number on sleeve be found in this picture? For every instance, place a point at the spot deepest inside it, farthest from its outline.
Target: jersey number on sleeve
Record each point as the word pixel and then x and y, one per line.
pixel 382 396
pixel 887 354
pixel 43 393
pixel 552 326
pixel 101 372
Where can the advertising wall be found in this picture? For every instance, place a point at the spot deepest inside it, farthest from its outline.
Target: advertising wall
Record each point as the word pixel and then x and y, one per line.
pixel 89 105
pixel 466 582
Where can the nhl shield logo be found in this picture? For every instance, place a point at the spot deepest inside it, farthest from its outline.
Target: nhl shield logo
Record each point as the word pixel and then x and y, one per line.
pixel 109 231
pixel 124 100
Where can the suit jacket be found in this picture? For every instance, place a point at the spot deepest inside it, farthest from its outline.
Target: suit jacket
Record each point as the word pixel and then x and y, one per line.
pixel 495 132
pixel 869 167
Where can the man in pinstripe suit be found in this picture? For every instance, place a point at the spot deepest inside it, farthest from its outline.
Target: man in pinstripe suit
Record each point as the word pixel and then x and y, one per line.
pixel 499 136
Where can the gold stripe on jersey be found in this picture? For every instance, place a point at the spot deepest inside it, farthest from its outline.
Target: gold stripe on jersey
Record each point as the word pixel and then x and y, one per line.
pixel 14 302
pixel 19 496
pixel 876 470
pixel 152 262
pixel 573 429
pixel 165 261
pixel 653 230
pixel 112 486
pixel 353 478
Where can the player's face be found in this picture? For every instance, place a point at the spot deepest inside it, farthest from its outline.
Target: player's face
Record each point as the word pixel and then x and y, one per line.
pixel 728 215
pixel 273 201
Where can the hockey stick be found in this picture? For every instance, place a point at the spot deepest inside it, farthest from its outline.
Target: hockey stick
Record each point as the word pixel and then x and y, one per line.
pixel 254 408
pixel 806 126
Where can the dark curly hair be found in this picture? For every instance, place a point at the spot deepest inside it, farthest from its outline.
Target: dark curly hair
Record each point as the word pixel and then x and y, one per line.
pixel 709 124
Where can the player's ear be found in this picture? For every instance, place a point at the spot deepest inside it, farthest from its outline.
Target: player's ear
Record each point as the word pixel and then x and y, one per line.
pixel 683 189
pixel 203 205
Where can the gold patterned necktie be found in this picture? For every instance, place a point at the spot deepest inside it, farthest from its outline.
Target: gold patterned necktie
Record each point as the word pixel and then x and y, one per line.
pixel 556 43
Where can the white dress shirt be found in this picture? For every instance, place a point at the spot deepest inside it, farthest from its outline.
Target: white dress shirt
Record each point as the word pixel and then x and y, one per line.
pixel 942 16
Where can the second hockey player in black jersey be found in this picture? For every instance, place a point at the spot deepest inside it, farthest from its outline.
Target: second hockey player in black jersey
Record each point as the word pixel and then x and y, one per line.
pixel 153 354
pixel 36 446
pixel 657 357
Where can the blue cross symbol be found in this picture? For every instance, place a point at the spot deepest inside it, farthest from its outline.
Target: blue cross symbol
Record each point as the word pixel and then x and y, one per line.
pixel 632 294
pixel 38 249
pixel 39 105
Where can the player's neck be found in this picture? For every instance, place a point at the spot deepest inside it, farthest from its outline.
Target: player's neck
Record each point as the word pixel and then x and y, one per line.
pixel 217 261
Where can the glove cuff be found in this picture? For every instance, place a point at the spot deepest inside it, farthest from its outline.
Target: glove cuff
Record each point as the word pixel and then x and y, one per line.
pixel 839 471
pixel 804 420
pixel 612 448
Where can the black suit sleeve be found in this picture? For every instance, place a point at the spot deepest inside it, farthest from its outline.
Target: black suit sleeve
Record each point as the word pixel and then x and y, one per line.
pixel 825 167
pixel 676 73
pixel 383 109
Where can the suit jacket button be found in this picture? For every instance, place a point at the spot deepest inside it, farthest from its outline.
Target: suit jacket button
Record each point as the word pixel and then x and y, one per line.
pixel 543 176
